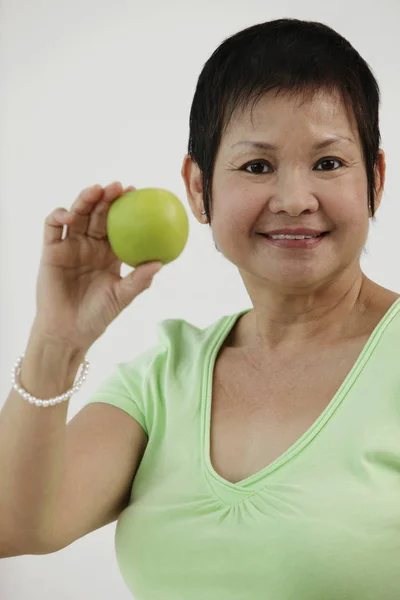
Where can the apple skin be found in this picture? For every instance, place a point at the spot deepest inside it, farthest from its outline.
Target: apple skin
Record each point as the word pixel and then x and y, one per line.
pixel 147 225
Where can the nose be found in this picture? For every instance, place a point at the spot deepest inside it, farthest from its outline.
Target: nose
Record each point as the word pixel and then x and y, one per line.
pixel 294 194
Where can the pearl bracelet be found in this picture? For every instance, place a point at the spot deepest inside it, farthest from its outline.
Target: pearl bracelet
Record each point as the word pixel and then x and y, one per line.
pixel 51 401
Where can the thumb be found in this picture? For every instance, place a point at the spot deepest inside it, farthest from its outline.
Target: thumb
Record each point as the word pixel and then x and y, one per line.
pixel 137 282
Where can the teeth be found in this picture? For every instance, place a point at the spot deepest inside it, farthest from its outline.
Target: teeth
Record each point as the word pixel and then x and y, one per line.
pixel 293 237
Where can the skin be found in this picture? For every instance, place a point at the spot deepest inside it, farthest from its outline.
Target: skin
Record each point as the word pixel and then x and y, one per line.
pixel 311 297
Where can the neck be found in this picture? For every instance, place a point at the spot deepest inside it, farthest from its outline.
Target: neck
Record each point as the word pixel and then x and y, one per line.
pixel 288 325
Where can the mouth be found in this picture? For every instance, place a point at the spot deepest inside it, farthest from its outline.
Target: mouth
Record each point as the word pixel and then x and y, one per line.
pixel 306 243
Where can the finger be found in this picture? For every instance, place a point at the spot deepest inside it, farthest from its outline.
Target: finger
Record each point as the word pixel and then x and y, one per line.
pixel 82 208
pixel 136 282
pixel 97 226
pixel 54 225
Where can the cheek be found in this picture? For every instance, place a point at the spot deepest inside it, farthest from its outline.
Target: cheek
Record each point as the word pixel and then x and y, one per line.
pixel 348 202
pixel 231 228
pixel 350 216
pixel 235 209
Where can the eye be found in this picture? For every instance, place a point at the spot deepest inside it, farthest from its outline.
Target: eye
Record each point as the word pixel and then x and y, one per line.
pixel 263 163
pixel 251 164
pixel 329 160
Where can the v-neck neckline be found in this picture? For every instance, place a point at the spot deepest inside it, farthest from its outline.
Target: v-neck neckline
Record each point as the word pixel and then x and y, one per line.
pixel 249 483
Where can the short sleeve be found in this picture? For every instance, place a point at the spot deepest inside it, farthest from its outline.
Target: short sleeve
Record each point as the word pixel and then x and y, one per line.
pixel 126 387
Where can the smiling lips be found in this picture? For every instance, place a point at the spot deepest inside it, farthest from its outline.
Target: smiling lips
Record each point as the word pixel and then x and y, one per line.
pixel 295 242
pixel 294 231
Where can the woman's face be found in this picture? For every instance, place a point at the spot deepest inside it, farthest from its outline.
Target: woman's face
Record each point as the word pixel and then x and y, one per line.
pixel 293 185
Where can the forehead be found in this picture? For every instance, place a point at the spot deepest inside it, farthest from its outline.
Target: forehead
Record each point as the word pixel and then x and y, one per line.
pixel 281 115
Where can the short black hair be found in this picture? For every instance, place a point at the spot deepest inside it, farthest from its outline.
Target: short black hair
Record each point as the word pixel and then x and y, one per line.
pixel 292 56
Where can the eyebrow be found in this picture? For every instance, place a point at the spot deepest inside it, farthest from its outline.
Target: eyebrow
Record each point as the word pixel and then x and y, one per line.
pixel 317 146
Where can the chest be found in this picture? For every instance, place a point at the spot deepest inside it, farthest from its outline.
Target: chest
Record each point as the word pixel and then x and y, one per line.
pixel 258 414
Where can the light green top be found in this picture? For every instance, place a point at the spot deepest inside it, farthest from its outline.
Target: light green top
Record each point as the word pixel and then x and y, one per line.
pixel 322 522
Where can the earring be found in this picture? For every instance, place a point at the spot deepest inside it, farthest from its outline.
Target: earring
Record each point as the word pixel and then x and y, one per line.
pixel 203 212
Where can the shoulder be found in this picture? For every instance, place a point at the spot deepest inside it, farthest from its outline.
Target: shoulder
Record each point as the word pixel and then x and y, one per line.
pixel 141 384
pixel 181 333
pixel 180 341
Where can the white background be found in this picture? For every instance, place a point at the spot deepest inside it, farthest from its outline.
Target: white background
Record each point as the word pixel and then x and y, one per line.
pixel 94 91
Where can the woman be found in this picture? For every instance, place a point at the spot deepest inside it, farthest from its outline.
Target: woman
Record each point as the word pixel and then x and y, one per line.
pixel 270 441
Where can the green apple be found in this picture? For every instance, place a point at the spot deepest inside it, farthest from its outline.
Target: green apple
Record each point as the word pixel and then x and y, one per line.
pixel 147 225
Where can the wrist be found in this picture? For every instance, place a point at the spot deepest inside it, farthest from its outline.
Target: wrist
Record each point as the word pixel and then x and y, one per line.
pixel 42 340
pixel 49 366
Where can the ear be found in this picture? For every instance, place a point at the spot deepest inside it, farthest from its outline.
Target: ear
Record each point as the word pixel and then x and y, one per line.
pixel 193 180
pixel 380 175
